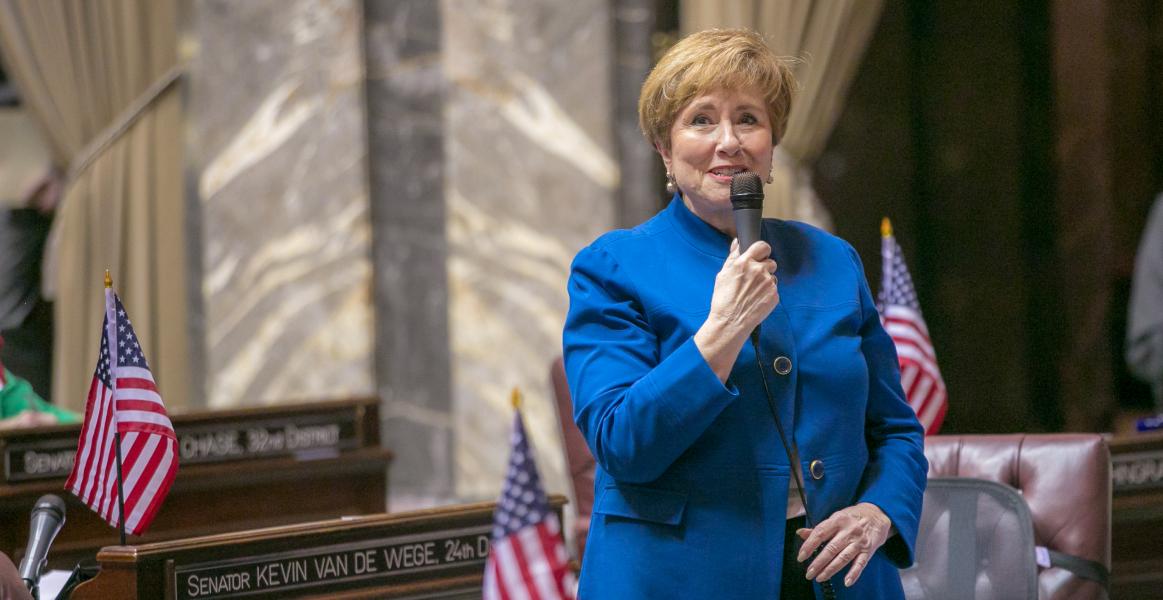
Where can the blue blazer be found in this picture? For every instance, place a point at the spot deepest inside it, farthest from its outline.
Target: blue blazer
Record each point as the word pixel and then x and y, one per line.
pixel 692 481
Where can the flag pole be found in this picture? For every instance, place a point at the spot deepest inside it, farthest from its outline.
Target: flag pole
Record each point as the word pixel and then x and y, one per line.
pixel 116 434
pixel 120 488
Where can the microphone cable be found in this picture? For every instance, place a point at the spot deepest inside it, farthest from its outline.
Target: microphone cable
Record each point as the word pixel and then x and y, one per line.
pixel 792 461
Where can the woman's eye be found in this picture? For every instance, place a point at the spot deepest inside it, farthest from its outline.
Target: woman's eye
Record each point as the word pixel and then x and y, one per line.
pixel 701 120
pixel 748 119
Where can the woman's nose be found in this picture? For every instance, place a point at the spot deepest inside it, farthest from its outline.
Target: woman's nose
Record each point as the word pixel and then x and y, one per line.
pixel 728 139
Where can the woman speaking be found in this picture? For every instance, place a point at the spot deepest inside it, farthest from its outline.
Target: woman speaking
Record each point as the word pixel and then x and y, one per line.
pixel 694 497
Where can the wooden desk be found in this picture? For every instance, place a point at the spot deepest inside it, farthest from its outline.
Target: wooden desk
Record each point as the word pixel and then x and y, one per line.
pixel 240 469
pixel 1137 516
pixel 436 553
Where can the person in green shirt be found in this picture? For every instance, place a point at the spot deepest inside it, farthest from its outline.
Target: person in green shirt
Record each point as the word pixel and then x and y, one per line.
pixel 20 406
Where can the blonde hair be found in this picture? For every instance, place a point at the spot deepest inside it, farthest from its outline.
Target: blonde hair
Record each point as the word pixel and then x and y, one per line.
pixel 731 59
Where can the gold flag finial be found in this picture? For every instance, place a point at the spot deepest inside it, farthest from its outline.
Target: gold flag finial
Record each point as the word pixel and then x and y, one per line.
pixel 515 398
pixel 885 227
pixel 108 279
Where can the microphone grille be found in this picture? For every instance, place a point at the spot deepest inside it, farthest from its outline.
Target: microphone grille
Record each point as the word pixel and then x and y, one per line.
pixel 51 502
pixel 746 183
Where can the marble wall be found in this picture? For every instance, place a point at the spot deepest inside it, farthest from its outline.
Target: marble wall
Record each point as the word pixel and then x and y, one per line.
pixel 388 194
pixel 530 179
pixel 277 155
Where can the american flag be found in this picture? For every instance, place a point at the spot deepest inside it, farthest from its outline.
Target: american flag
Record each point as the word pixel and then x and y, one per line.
pixel 901 314
pixel 527 557
pixel 124 399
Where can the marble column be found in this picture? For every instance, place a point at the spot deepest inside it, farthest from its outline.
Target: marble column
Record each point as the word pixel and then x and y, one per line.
pixel 530 179
pixel 641 192
pixel 276 144
pixel 405 106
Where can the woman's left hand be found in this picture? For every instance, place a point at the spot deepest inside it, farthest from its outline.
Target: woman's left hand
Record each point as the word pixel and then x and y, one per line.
pixel 853 535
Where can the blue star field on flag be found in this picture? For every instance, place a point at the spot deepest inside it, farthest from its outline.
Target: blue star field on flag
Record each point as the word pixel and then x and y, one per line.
pixel 523 502
pixel 128 347
pixel 897 287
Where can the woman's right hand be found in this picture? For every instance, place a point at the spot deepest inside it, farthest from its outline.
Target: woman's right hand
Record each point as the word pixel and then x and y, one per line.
pixel 746 291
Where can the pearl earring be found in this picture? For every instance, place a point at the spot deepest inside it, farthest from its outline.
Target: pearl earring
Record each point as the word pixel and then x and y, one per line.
pixel 671 184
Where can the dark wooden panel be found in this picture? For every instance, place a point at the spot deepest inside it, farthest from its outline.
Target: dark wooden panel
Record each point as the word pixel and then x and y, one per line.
pixel 413 554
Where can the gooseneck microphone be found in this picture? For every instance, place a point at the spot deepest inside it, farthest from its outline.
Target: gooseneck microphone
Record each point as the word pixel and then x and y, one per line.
pixel 48 515
pixel 747 203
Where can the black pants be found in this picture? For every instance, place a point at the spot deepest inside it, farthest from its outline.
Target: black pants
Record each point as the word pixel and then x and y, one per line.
pixel 793 585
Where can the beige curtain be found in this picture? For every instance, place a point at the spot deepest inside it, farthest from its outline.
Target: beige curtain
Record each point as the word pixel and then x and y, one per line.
pixel 99 76
pixel 829 36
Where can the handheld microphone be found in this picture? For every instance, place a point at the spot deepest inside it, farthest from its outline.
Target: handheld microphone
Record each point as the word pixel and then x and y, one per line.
pixel 48 515
pixel 747 204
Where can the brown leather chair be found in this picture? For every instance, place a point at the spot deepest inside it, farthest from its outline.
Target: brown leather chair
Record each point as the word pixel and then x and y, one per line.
pixel 577 457
pixel 1065 480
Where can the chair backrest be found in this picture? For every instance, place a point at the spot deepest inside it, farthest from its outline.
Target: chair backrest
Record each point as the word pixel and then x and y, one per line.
pixel 577 456
pixel 976 540
pixel 1065 480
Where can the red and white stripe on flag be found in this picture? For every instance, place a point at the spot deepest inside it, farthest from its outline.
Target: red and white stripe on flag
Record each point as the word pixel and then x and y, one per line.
pixel 123 398
pixel 531 564
pixel 921 379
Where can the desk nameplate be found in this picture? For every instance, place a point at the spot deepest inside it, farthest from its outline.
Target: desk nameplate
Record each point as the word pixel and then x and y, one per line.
pixel 362 563
pixel 1137 470
pixel 308 435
